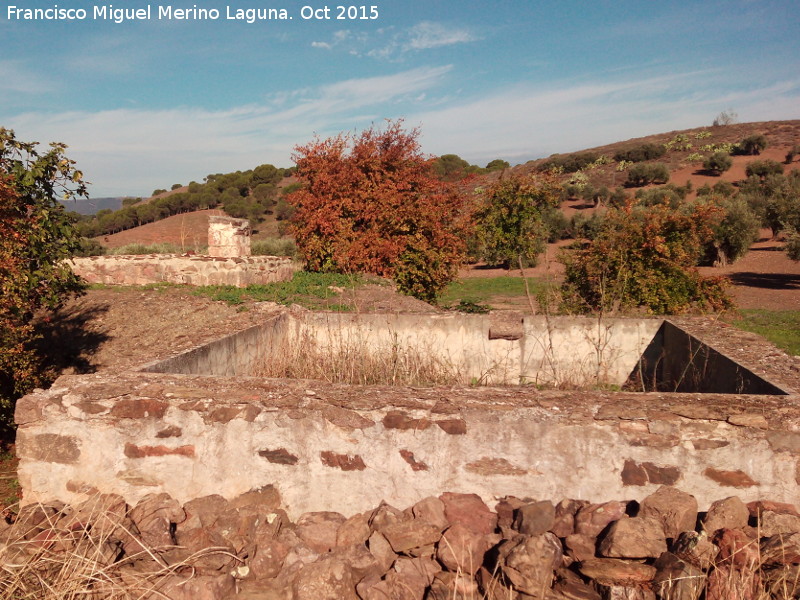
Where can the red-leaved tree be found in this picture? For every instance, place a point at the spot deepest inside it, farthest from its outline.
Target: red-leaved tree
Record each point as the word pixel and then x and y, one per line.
pixel 370 204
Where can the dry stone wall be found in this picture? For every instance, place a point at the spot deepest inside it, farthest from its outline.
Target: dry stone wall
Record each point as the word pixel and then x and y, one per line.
pixel 447 547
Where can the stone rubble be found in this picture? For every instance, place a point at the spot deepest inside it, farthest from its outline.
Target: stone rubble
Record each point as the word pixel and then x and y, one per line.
pixel 448 548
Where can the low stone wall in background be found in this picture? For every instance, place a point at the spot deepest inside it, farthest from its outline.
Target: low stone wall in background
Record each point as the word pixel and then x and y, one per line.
pixel 183 269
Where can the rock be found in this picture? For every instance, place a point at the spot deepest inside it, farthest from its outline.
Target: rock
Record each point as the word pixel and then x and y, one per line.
pixel 781 508
pixel 461 550
pixel 730 513
pixel 355 530
pixel 431 509
pixel 676 510
pixel 505 509
pixel 573 590
pixel 619 592
pixel 695 548
pixel 736 549
pixel 319 530
pixel 449 585
pixel 154 516
pixel 198 542
pixel 267 559
pixel 528 562
pixel 361 562
pixel 594 518
pixel 414 533
pixel 580 547
pixel 416 570
pixel 615 572
pixel 198 587
pixel 203 512
pixel 677 579
pixel 564 522
pixel 535 518
pixel 381 549
pixel 327 579
pixel 299 555
pixel 383 516
pixel 772 523
pixel 637 537
pixel 470 511
pixel 103 514
pixel 781 549
pixel 267 499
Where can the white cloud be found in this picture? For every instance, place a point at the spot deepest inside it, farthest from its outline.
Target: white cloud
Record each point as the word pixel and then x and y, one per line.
pixel 324 45
pixel 131 151
pixel 18 79
pixel 427 35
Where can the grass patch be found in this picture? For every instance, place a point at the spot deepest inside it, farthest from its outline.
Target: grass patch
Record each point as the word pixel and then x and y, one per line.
pixel 481 290
pixel 161 248
pixel 781 327
pixel 274 247
pixel 311 290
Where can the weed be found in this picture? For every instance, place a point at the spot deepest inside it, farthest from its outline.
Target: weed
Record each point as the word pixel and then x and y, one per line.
pixel 781 327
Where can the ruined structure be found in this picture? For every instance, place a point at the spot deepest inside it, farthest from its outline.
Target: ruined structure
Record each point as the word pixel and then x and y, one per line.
pixel 711 422
pixel 228 262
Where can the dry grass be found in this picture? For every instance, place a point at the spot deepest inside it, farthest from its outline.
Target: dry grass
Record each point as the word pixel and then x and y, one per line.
pixel 61 560
pixel 353 361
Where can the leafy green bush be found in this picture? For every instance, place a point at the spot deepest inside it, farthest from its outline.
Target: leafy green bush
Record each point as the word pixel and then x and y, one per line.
pixel 752 145
pixel 645 257
pixel 718 163
pixel 555 223
pixel 138 248
pixel 641 153
pixel 795 150
pixel 569 163
pixel 646 173
pixel 510 223
pixel 763 168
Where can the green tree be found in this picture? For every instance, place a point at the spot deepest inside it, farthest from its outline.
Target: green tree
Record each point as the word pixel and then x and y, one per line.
pixel 510 222
pixel 36 238
pixel 644 173
pixel 718 163
pixel 498 164
pixel 763 168
pixel 753 145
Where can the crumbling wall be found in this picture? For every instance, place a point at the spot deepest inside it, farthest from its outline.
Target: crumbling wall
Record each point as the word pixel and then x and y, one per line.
pixel 183 269
pixel 228 237
pixel 333 447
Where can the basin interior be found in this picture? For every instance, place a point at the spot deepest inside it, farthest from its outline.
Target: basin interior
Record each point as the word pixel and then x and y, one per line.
pixel 550 352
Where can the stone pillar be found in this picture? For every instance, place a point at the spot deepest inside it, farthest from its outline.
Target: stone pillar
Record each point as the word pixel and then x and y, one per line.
pixel 228 237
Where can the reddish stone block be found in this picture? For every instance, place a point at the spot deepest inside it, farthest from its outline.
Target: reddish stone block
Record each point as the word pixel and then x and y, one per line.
pixel 134 451
pixel 139 408
pixel 345 462
pixel 416 465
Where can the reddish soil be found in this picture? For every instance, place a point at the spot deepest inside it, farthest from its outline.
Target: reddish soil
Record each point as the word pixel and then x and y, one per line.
pixel 188 231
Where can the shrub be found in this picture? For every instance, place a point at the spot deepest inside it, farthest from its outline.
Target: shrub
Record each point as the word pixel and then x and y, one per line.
pixel 734 234
pixel 643 174
pixel 795 150
pixel 752 145
pixel 718 163
pixel 569 163
pixel 36 238
pixel 555 224
pixel 369 203
pixel 645 257
pixel 90 247
pixel 763 168
pixel 510 223
pixel 641 153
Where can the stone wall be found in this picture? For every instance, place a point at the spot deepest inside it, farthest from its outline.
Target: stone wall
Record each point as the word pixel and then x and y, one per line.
pixel 183 269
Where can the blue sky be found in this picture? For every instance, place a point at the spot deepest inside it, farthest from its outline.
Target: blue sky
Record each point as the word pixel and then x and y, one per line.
pixel 148 103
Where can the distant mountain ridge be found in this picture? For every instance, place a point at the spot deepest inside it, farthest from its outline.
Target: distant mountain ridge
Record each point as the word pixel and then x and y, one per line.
pixel 91 206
